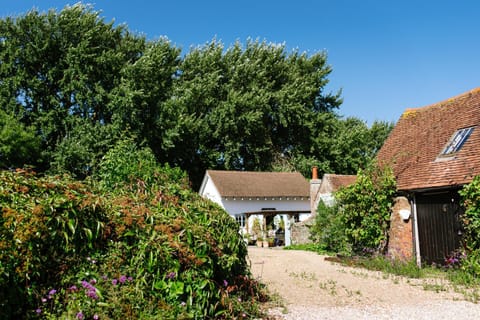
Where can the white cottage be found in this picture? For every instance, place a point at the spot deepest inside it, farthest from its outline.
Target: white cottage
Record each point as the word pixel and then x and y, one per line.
pixel 275 198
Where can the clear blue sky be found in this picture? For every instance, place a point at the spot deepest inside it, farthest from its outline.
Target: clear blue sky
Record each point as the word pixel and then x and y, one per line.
pixel 386 55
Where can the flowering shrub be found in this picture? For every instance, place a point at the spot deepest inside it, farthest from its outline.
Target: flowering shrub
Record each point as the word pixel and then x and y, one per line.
pixel 141 249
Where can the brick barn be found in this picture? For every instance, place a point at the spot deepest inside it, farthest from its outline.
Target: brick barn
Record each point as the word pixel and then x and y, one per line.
pixel 434 151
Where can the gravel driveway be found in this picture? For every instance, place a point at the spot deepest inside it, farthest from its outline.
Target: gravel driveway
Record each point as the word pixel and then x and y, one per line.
pixel 312 288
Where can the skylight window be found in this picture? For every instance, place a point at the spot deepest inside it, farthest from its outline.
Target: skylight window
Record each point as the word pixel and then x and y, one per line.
pixel 456 141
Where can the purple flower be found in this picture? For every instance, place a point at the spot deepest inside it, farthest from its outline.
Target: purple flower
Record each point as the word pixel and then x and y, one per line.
pixel 92 294
pixel 80 315
pixel 52 292
pixel 170 275
pixel 122 279
pixel 104 277
pixel 95 317
pixel 38 311
pixel 114 282
pixel 225 283
pixel 44 300
pixel 130 279
pixel 93 281
pixel 85 284
pixel 73 288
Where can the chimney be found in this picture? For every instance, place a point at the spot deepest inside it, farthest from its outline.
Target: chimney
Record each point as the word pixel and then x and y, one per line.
pixel 314 189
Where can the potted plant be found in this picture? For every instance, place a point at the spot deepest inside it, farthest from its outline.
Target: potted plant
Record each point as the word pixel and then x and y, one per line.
pixel 265 242
pixel 271 242
pixel 259 242
pixel 256 229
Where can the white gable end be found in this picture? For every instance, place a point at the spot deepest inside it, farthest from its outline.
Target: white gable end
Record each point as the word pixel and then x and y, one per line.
pixel 209 190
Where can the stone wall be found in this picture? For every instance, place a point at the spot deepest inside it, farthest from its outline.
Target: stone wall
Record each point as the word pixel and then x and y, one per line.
pixel 300 232
pixel 400 246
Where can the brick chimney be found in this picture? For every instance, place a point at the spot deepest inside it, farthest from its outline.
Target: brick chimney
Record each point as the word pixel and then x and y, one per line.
pixel 314 173
pixel 314 188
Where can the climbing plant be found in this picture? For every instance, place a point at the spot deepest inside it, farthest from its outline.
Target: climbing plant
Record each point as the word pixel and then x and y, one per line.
pixel 365 207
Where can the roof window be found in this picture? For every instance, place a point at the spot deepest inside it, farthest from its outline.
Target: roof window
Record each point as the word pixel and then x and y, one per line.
pixel 456 141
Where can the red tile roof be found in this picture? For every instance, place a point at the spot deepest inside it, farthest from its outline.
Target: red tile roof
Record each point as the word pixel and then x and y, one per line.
pixel 259 184
pixel 413 147
pixel 333 182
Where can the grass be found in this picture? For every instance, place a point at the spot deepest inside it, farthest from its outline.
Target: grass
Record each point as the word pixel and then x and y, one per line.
pixel 456 279
pixel 436 279
pixel 307 247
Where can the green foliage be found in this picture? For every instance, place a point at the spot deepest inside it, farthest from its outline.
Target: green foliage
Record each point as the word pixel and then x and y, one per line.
pixel 471 224
pixel 240 106
pixel 80 151
pixel 184 254
pixel 365 207
pixel 328 231
pixel 46 225
pixel 382 263
pixel 314 247
pixel 471 219
pixel 125 165
pixel 82 84
pixel 19 144
pixel 55 66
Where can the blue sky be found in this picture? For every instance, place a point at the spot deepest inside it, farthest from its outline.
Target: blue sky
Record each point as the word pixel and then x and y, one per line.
pixel 386 55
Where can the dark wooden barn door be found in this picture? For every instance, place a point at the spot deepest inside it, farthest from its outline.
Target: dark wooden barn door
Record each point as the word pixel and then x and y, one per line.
pixel 439 229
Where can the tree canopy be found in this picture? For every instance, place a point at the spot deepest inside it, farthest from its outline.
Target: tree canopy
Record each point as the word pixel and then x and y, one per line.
pixel 78 84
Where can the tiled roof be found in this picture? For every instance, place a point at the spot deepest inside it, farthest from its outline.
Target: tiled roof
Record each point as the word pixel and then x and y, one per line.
pixel 420 135
pixel 260 184
pixel 333 182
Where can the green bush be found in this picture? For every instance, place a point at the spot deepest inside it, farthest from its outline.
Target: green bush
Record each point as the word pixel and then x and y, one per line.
pixel 359 220
pixel 47 225
pixel 328 230
pixel 145 247
pixel 469 263
pixel 365 207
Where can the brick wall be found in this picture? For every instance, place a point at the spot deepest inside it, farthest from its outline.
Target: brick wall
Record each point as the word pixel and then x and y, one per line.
pixel 400 245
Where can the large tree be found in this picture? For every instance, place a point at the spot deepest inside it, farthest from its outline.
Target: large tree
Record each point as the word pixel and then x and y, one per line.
pixel 241 106
pixel 79 84
pixel 58 66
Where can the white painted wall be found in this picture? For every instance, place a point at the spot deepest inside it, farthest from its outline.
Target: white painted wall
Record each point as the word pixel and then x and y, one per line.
pixel 209 191
pixel 236 206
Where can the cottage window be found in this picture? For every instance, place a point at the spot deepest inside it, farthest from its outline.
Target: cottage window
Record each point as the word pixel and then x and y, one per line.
pixel 456 141
pixel 240 218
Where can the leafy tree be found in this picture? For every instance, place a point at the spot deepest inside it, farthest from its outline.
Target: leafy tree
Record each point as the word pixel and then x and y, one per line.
pixel 81 84
pixel 355 144
pixel 82 148
pixel 338 145
pixel 139 100
pixel 54 66
pixel 240 107
pixel 19 144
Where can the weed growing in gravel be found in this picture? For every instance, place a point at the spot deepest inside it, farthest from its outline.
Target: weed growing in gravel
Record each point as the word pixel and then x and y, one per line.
pixel 303 275
pixel 437 287
pixel 351 293
pixel 330 286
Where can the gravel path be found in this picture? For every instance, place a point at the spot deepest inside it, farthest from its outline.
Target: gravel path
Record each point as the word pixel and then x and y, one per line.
pixel 312 288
